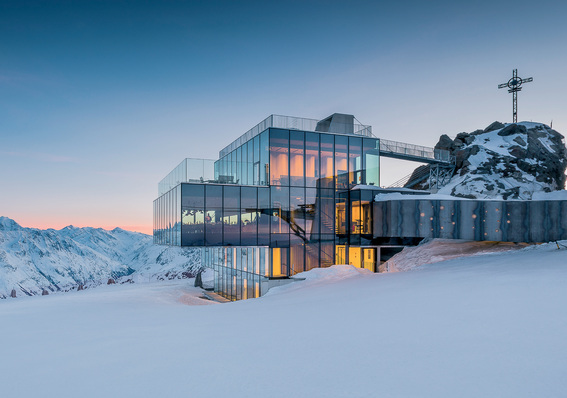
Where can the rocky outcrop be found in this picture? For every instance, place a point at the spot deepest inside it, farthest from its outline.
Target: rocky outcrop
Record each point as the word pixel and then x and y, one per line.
pixel 506 161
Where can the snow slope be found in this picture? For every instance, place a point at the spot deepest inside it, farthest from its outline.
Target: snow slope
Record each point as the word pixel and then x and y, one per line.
pixel 34 260
pixel 492 325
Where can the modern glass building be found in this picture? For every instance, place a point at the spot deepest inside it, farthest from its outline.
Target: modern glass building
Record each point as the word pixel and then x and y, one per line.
pixel 294 194
pixel 281 199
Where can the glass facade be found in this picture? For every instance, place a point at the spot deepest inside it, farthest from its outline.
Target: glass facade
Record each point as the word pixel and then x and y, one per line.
pixel 167 218
pixel 283 200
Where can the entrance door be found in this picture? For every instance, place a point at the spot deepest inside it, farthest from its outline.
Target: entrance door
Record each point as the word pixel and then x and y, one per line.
pixel 340 254
pixel 369 261
pixel 354 254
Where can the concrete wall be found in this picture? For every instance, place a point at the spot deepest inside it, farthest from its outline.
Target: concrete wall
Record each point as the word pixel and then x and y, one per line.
pixel 508 221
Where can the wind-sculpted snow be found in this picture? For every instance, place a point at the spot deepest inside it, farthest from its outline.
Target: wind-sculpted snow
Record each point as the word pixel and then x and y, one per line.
pixel 34 261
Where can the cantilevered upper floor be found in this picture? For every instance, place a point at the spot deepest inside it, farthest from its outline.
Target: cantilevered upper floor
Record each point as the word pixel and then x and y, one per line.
pixel 293 151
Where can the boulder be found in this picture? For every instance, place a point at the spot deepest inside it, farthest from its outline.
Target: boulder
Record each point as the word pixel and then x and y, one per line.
pixel 493 126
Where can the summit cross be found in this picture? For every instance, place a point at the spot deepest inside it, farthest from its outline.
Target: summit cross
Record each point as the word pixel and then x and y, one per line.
pixel 514 85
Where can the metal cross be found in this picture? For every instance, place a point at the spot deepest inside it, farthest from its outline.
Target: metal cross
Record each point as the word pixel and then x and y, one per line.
pixel 514 85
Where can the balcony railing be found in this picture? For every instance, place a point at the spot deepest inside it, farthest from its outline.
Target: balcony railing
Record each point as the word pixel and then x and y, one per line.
pixel 291 123
pixel 415 151
pixel 189 170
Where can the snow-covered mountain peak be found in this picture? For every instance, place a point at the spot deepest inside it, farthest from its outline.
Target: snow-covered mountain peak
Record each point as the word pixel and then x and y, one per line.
pixel 33 260
pixel 7 224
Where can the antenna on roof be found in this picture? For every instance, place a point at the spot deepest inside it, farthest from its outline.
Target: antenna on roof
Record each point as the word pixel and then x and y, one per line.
pixel 514 85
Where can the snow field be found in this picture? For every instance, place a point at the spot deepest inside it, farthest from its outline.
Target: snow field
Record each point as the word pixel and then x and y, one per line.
pixel 490 325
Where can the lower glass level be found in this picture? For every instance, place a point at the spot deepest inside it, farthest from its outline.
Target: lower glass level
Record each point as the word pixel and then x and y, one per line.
pixel 243 272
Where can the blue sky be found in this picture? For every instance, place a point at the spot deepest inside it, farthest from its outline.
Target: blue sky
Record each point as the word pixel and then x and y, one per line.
pixel 101 99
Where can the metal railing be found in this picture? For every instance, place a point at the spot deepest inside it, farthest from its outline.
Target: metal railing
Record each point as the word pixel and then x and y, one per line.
pixel 416 151
pixel 292 123
pixel 189 170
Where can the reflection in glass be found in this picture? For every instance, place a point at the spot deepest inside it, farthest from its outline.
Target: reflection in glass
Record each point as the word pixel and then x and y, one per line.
pixel 296 152
pixel 280 261
pixel 297 215
pixel 264 158
pixel 371 161
pixel 279 157
pixel 311 159
pixel 296 252
pixel 280 209
pixel 341 166
pixel 327 161
pixel 248 215
pixel 355 160
pixel 264 215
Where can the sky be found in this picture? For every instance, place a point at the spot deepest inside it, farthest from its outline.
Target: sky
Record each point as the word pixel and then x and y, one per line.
pixel 99 100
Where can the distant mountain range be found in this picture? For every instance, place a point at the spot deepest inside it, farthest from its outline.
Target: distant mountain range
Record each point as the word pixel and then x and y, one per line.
pixel 34 261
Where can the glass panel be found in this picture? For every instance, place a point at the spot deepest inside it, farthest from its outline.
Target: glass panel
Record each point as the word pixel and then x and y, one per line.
pixel 366 199
pixel 193 195
pixel 311 159
pixel 312 216
pixel 371 161
pixel 213 215
pixel 238 165
pixel 279 157
pixel 280 260
pixel 244 165
pixel 229 169
pixel 280 209
pixel 192 230
pixel 264 157
pixel 311 255
pixel 355 160
pixel 327 250
pixel 280 240
pixel 341 166
pixel 265 212
pixel 326 211
pixel 297 216
pixel 355 218
pixel 231 215
pixel 256 162
pixel 296 151
pixel 327 161
pixel 231 197
pixel 250 164
pixel 340 256
pixel 296 253
pixel 249 215
pixel 341 215
pixel 369 259
pixel 192 215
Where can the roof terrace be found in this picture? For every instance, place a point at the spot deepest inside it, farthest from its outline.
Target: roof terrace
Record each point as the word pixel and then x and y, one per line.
pixel 337 123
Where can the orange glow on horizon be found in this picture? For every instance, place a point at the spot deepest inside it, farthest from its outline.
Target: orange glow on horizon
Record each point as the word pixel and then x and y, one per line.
pixel 145 229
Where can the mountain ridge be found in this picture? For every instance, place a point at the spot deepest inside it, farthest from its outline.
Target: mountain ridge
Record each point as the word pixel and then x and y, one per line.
pixel 35 261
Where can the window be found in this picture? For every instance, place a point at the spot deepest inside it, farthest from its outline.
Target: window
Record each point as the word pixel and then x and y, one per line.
pixel 296 158
pixel 279 157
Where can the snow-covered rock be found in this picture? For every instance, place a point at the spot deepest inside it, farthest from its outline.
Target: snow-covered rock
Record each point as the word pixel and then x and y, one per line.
pixel 511 161
pixel 33 261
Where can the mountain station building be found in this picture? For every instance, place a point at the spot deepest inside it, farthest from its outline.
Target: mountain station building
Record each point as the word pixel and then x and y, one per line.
pixel 293 194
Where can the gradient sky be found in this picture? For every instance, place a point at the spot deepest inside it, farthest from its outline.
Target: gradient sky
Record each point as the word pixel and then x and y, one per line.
pixel 99 100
